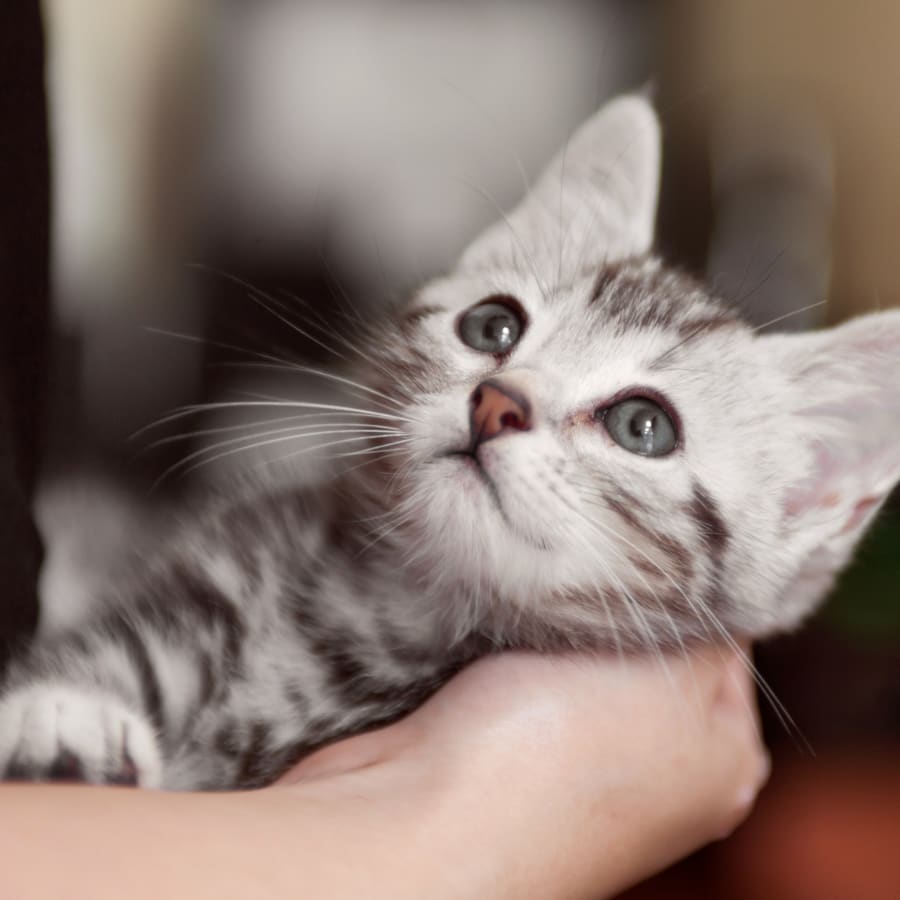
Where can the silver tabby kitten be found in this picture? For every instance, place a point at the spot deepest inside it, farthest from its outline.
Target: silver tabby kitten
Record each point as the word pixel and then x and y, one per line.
pixel 575 447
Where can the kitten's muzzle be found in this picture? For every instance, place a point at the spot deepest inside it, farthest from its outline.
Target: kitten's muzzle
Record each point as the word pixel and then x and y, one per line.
pixel 495 409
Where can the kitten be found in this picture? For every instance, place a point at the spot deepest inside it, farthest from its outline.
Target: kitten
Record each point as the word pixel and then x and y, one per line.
pixel 564 444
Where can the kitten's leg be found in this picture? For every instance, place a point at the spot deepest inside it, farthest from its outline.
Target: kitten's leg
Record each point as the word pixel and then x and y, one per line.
pixel 143 694
pixel 55 732
pixel 77 711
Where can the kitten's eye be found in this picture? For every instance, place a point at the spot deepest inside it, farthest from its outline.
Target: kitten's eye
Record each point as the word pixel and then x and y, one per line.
pixel 493 326
pixel 640 426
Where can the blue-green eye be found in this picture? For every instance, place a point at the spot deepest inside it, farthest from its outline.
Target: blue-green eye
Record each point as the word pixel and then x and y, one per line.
pixel 493 326
pixel 640 426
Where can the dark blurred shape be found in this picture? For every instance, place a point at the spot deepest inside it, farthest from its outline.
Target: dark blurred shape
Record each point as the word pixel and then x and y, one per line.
pixel 840 675
pixel 24 213
pixel 770 251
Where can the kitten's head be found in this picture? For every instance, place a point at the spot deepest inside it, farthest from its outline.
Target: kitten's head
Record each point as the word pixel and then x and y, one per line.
pixel 600 450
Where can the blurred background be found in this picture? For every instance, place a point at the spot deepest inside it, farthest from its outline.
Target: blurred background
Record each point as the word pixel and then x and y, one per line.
pixel 341 152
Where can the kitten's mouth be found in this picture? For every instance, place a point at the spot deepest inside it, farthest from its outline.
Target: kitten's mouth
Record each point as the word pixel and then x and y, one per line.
pixel 469 458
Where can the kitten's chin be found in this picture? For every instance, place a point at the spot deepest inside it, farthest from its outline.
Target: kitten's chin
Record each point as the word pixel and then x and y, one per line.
pixel 494 508
pixel 465 542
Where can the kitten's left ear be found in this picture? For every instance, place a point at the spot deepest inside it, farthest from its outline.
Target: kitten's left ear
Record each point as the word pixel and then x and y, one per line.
pixel 847 417
pixel 595 202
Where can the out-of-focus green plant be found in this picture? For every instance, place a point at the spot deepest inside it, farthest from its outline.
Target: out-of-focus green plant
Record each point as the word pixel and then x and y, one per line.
pixel 866 602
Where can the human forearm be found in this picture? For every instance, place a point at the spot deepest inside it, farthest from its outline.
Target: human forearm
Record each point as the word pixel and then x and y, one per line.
pixel 525 776
pixel 334 840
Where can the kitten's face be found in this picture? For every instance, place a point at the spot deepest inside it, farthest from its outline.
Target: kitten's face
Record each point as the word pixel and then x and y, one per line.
pixel 567 511
pixel 599 450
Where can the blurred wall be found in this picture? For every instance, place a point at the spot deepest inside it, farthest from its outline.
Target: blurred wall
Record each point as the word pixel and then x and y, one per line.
pixel 279 141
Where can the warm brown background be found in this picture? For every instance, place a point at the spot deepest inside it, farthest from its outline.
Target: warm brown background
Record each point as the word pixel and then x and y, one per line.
pixel 839 60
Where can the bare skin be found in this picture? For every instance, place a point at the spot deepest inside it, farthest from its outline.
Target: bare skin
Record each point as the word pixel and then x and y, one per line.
pixel 525 776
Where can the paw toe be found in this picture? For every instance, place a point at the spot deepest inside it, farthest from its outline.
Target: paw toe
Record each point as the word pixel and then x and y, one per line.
pixel 66 767
pixel 127 774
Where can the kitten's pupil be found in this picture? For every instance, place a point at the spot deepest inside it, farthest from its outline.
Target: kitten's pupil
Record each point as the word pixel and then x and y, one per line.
pixel 642 426
pixel 498 329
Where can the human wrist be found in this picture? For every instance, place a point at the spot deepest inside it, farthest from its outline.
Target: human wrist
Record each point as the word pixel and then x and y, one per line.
pixel 480 834
pixel 450 818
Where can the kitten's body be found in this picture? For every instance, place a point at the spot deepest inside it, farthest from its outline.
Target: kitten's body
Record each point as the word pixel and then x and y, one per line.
pixel 279 621
pixel 254 637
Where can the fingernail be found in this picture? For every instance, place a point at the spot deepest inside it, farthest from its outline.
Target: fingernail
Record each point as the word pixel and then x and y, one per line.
pixel 744 801
pixel 746 797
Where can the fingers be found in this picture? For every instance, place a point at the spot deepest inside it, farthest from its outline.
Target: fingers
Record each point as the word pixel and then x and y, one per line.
pixel 576 704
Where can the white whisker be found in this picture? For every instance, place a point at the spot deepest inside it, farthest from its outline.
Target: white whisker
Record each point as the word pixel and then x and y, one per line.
pixel 249 426
pixel 708 615
pixel 197 408
pixel 206 455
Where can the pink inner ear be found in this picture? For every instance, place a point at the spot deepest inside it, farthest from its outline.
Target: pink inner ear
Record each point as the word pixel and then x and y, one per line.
pixel 815 491
pixel 823 491
pixel 860 511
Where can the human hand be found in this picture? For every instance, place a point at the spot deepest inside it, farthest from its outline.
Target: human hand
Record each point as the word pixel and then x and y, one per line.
pixel 569 776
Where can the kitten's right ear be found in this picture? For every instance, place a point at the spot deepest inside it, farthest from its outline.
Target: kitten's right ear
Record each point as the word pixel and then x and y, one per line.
pixel 595 202
pixel 846 423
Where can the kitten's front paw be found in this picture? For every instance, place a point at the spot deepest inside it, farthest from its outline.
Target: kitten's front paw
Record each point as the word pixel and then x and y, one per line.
pixel 58 733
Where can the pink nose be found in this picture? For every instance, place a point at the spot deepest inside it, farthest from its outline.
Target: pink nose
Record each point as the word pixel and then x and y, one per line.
pixel 495 409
